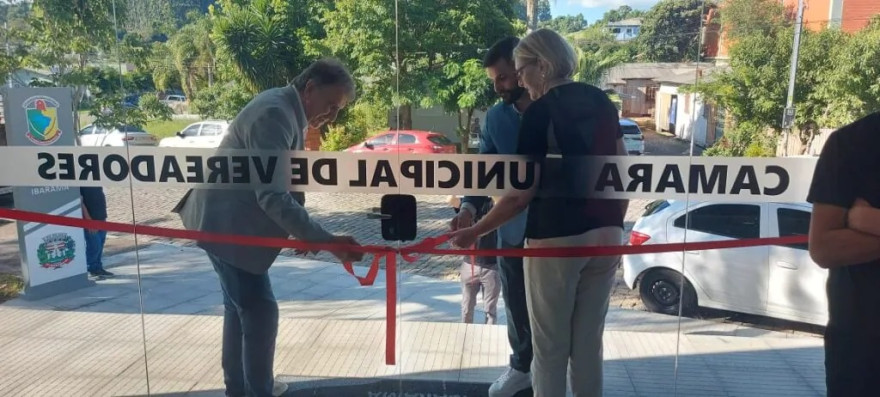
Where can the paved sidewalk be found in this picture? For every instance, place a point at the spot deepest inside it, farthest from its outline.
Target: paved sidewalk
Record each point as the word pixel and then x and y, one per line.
pixel 90 342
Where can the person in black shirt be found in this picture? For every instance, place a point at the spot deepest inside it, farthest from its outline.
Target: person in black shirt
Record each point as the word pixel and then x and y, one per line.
pixel 845 238
pixel 94 206
pixel 567 297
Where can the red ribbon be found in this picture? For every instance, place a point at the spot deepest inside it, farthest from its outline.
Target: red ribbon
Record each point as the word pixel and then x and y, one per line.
pixel 409 253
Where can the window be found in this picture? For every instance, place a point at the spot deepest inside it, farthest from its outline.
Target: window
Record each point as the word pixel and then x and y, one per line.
pixel 129 128
pixel 615 30
pixel 404 139
pixel 793 222
pixel 630 130
pixel 651 94
pixel 440 140
pixel 88 130
pixel 381 140
pixel 191 131
pixel 211 130
pixel 728 220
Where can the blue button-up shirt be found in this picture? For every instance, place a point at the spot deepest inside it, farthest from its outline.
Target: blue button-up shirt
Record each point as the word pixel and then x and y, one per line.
pixel 500 136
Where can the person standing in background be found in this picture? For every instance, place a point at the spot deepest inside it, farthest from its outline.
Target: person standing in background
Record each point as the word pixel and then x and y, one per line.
pixel 500 136
pixel 94 207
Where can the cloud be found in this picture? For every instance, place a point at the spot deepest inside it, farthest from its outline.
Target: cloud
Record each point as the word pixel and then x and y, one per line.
pixel 637 4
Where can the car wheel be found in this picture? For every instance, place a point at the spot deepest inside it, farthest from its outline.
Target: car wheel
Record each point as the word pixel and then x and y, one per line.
pixel 662 290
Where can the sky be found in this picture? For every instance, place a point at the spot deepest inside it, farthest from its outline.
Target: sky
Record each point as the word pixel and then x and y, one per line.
pixel 593 9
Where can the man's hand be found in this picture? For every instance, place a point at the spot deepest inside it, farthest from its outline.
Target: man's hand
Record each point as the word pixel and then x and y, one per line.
pixel 863 218
pixel 462 220
pixel 346 255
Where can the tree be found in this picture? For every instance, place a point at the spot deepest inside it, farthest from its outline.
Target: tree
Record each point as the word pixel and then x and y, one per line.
pixel 111 111
pixel 148 18
pixel 264 40
pixel 742 18
pixel 194 53
pixel 465 89
pixel 533 12
pixel 619 14
pixel 431 35
pixel 671 31
pixel 566 23
pixel 592 66
pixel 851 78
pixel 221 101
pixel 82 28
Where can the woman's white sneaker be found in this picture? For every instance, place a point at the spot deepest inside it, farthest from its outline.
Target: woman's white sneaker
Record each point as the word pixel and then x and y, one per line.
pixel 510 383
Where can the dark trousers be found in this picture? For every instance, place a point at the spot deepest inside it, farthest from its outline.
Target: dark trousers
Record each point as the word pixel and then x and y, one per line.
pixel 250 325
pixel 519 332
pixel 852 364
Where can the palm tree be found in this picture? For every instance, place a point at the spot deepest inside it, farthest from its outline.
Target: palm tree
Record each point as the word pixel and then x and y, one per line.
pixel 261 40
pixel 593 65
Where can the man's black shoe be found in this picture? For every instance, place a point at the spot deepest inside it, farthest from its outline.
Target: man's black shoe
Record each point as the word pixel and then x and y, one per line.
pixel 101 273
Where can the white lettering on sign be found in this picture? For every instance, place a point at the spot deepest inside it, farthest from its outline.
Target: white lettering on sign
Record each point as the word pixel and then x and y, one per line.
pixel 611 177
pixel 48 189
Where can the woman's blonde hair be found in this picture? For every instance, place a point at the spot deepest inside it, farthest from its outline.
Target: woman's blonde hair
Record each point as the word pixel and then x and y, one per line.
pixel 548 46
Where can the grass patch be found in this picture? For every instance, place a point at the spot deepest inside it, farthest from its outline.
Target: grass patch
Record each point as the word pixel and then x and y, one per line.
pixel 166 128
pixel 10 287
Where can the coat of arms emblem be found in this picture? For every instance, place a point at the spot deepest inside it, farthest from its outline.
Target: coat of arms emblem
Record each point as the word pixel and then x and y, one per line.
pixel 56 250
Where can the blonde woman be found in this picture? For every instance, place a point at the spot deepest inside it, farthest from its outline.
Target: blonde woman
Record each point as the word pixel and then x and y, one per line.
pixel 567 297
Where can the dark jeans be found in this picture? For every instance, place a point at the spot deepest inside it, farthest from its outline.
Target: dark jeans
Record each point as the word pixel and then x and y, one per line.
pixel 519 332
pixel 250 325
pixel 95 249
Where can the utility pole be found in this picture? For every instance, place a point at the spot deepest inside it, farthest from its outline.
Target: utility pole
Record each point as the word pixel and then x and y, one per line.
pixel 8 52
pixel 789 113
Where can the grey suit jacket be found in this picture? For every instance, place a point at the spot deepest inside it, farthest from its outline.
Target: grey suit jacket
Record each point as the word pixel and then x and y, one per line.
pixel 273 120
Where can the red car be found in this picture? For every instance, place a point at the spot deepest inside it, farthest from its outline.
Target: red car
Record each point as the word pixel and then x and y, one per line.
pixel 405 141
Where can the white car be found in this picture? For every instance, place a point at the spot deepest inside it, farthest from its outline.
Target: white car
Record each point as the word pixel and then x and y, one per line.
pixel 775 281
pixel 204 134
pixel 172 99
pixel 632 137
pixel 93 135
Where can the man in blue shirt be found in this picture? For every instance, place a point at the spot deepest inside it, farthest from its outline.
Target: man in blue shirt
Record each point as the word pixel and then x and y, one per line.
pixel 500 136
pixel 94 206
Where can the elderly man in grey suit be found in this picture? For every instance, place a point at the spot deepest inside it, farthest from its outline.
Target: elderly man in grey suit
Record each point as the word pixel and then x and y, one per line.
pixel 274 120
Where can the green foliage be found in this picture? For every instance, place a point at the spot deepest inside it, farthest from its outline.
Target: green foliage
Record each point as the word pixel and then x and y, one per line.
pixel 542 10
pixel 598 52
pixel 264 40
pixel 850 84
pixel 193 53
pixel 148 18
pixel 164 71
pixel 566 24
pixel 353 126
pixel 619 14
pixel 743 18
pixel 593 65
pixel 111 112
pixel 745 140
pixel 221 101
pixel 432 34
pixel 671 31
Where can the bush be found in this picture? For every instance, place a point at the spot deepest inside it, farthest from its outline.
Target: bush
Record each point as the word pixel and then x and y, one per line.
pixel 220 101
pixel 744 140
pixel 354 125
